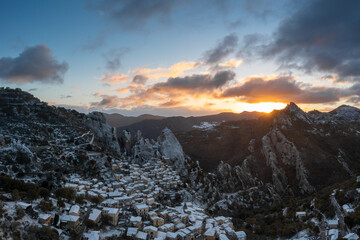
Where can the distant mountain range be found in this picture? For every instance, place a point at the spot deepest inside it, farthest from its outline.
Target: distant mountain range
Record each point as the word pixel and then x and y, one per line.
pixel 118 120
pixel 153 125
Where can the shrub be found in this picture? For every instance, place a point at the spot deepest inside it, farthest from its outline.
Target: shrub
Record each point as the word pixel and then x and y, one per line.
pixel 20 213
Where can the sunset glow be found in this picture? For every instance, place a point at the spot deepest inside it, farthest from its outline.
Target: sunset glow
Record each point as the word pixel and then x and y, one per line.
pixel 266 107
pixel 180 58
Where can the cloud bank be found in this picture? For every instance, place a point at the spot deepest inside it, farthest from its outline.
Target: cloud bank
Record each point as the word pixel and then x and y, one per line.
pixel 34 64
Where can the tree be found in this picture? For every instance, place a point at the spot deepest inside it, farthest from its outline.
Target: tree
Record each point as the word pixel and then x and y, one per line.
pixel 20 213
pixel 45 206
pixel 15 195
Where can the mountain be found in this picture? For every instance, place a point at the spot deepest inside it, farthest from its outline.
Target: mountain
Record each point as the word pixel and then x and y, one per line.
pixel 152 128
pixel 117 120
pixel 257 171
pixel 43 142
pixel 296 152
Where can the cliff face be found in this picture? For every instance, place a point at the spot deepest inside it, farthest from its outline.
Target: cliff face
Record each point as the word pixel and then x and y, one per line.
pixel 106 134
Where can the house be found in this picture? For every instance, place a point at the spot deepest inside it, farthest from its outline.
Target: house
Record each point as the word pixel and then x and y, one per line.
pixel 300 214
pixel 25 206
pixel 347 209
pixel 151 231
pixel 210 234
pixel 70 221
pixel 136 221
pixel 351 236
pixel 171 236
pixel 142 209
pixel 169 227
pixel 141 236
pixel 223 237
pixel 131 232
pixel 150 201
pixel 157 221
pixel 93 235
pixel 95 215
pixel 113 213
pixel 45 219
pixel 241 235
pixel 333 224
pixel 74 210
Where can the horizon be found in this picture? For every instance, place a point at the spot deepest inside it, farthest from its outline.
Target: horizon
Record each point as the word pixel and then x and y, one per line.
pixel 182 58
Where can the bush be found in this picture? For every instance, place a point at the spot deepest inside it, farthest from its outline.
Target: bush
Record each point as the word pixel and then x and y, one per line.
pixel 67 193
pixel 45 206
pixel 43 233
pixel 20 213
pixel 15 195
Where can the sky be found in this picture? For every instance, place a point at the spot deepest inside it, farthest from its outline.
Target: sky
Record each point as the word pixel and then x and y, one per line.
pixel 189 58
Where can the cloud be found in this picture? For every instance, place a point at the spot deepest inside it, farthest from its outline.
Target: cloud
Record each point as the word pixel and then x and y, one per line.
pixel 106 101
pixel 115 78
pixel 222 50
pixel 140 79
pixel 197 82
pixel 134 14
pixel 171 104
pixel 321 36
pixel 32 89
pixel 172 71
pixel 286 89
pixel 113 58
pixel 34 64
pixel 172 92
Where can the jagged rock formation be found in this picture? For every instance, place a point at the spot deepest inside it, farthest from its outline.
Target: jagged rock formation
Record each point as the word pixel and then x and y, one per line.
pixel 293 151
pixel 43 142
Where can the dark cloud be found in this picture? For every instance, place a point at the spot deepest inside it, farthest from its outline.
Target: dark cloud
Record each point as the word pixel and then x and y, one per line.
pixel 286 89
pixel 65 96
pixel 106 101
pixel 140 79
pixel 134 14
pixel 32 89
pixel 202 82
pixel 34 64
pixel 323 35
pixel 171 103
pixel 113 58
pixel 222 50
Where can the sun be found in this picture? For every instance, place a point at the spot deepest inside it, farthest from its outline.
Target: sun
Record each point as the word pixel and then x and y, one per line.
pixel 266 107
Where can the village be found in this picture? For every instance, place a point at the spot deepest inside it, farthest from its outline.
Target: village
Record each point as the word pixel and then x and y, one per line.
pixel 128 205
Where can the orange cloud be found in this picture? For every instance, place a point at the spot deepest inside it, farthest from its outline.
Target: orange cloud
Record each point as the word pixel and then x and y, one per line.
pixel 232 63
pixel 172 71
pixel 114 78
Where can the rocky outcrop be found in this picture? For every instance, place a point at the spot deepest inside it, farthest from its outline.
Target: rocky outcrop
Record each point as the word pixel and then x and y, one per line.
pixel 105 134
pixel 276 147
pixel 170 148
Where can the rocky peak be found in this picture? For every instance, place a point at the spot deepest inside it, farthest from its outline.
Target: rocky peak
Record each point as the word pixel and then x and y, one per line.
pixel 170 148
pixel 347 113
pixel 293 112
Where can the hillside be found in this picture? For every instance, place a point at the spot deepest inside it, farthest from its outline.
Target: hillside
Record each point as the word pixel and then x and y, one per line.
pixel 152 128
pixel 117 120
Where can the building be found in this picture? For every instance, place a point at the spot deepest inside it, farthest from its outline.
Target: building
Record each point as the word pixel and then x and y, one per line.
pixel 74 210
pixel 142 209
pixel 70 221
pixel 136 221
pixel 93 235
pixel 45 219
pixel 113 213
pixel 151 231
pixel 95 216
